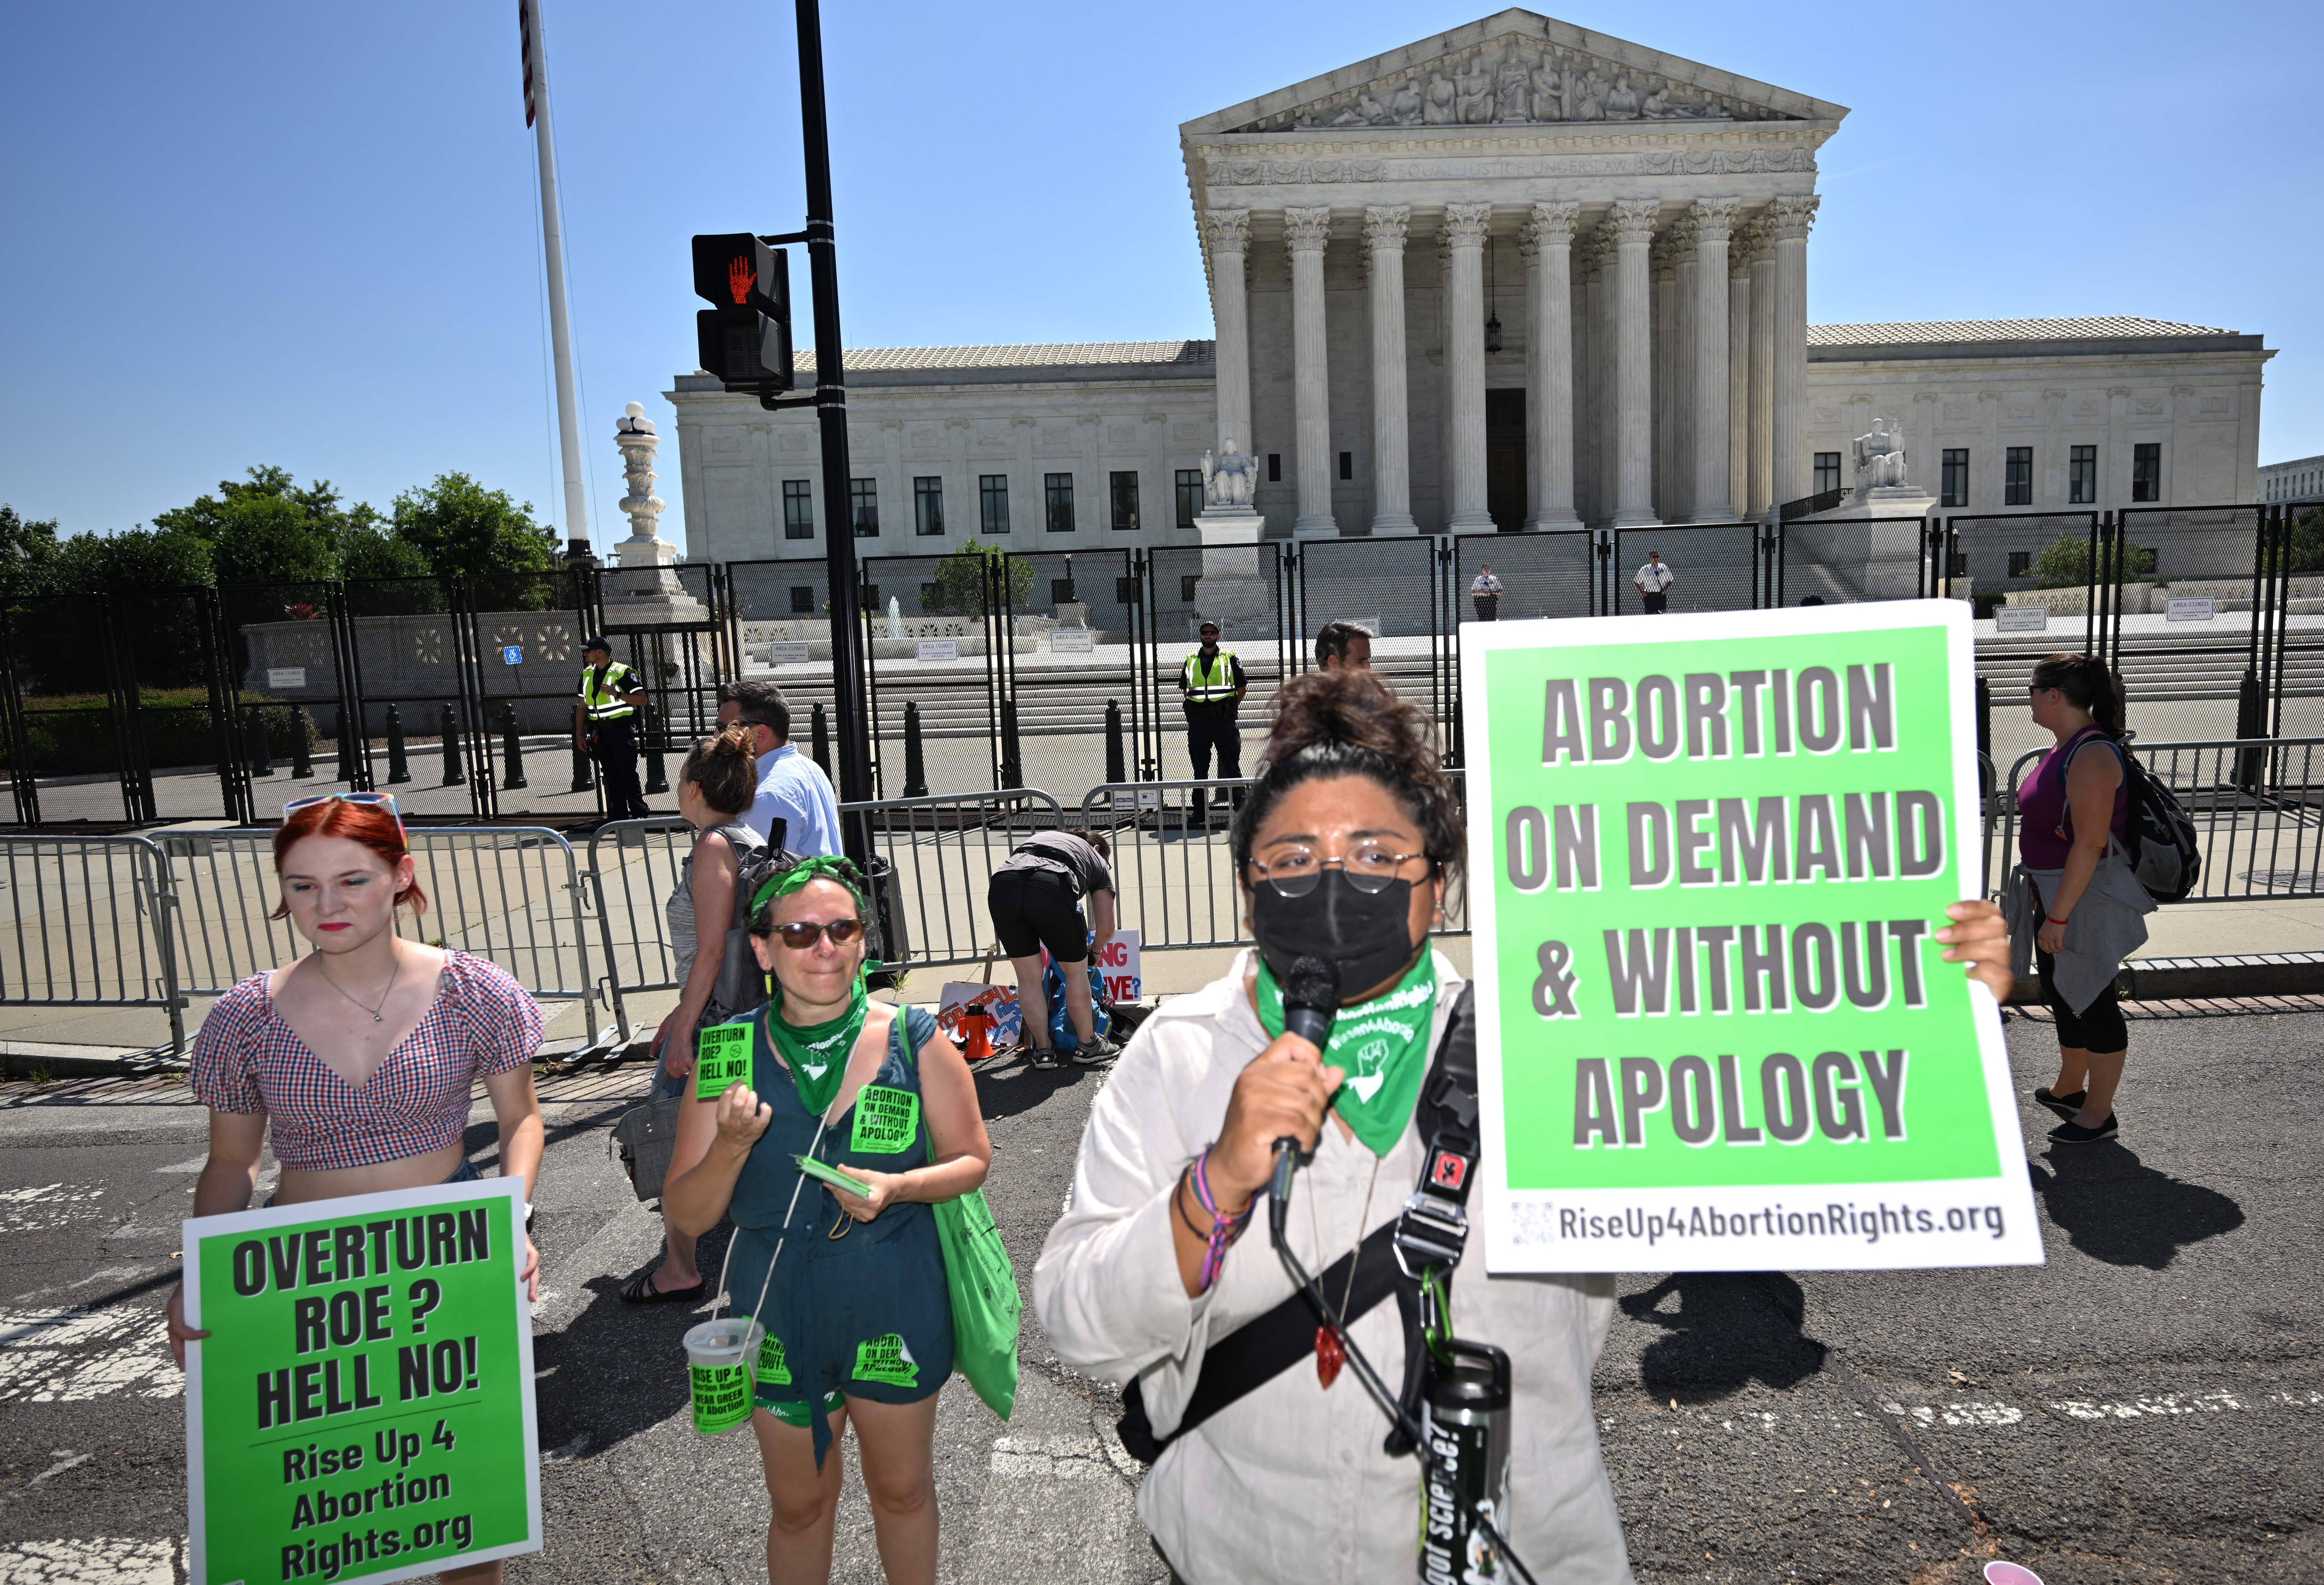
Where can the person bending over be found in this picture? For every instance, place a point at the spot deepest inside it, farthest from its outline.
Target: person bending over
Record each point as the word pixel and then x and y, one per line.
pixel 1034 900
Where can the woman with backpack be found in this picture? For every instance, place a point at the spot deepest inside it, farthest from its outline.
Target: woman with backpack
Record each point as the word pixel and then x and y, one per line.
pixel 714 787
pixel 2073 893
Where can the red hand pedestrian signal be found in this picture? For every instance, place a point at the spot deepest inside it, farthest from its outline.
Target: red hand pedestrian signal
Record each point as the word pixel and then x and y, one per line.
pixel 739 278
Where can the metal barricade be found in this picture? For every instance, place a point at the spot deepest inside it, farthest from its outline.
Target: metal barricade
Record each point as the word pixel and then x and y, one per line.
pixel 2258 805
pixel 1174 867
pixel 88 926
pixel 1988 808
pixel 510 894
pixel 633 867
pixel 941 853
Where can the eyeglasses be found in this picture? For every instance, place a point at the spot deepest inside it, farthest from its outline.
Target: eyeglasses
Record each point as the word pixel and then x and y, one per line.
pixel 800 933
pixel 367 800
pixel 1293 871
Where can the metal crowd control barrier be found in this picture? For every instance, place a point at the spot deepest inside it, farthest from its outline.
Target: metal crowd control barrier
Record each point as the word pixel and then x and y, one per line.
pixel 1174 866
pixel 89 926
pixel 2258 805
pixel 510 894
pixel 633 867
pixel 941 852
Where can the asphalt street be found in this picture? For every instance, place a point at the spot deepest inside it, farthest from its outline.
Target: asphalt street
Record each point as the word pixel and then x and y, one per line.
pixel 2143 1407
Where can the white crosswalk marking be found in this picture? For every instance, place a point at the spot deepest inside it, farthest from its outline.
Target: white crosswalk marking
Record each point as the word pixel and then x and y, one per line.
pixel 68 1356
pixel 102 1561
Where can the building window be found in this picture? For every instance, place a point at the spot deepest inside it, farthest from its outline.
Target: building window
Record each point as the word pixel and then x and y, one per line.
pixel 872 599
pixel 1275 468
pixel 1190 496
pixel 2021 563
pixel 1187 583
pixel 798 510
pixel 1061 591
pixel 2082 476
pixel 1058 493
pixel 927 506
pixel 1347 465
pixel 1957 565
pixel 863 505
pixel 993 502
pixel 802 599
pixel 1125 502
pixel 2017 476
pixel 1827 472
pixel 2147 471
pixel 1955 478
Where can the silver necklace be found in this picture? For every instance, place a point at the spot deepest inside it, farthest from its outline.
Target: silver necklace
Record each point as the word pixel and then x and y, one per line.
pixel 343 991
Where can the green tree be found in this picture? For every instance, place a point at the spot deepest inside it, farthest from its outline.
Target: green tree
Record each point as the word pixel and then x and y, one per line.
pixel 461 527
pixel 2065 563
pixel 958 588
pixel 272 539
pixel 89 564
pixel 2304 548
pixel 28 557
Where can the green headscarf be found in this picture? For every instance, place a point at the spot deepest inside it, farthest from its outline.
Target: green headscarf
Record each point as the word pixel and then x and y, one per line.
pixel 815 1054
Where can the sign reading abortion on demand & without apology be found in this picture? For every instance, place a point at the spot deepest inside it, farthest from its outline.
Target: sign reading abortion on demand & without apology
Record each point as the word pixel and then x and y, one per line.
pixel 362 1408
pixel 1708 856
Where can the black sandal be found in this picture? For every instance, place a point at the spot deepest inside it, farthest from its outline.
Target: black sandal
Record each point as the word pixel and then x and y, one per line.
pixel 640 1290
pixel 1046 1057
pixel 2065 1106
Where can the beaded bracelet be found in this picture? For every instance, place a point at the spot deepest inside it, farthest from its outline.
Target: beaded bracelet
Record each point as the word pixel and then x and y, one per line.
pixel 1224 1228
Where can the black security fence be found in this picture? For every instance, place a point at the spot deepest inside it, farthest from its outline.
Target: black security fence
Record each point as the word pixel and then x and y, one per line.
pixel 996 669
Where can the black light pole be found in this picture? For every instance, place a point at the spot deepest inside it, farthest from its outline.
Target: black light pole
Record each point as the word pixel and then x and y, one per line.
pixel 848 714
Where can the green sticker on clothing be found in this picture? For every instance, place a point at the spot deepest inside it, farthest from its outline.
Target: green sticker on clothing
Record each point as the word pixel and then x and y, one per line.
pixel 723 1056
pixel 886 1120
pixel 887 1359
pixel 773 1367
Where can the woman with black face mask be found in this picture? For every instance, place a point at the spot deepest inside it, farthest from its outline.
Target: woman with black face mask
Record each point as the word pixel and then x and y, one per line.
pixel 1343 848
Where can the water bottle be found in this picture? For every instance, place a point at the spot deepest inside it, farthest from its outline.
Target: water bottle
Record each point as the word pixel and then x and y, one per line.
pixel 1467 1435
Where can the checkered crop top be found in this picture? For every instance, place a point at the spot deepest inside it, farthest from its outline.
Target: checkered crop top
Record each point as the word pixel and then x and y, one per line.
pixel 247 1059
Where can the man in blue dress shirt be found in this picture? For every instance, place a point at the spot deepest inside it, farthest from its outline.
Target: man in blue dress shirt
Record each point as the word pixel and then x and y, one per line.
pixel 792 788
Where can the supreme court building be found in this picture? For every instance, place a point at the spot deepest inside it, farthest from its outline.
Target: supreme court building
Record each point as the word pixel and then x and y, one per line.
pixel 1517 275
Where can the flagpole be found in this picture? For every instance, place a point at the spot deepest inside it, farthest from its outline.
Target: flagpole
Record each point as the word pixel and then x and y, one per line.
pixel 552 242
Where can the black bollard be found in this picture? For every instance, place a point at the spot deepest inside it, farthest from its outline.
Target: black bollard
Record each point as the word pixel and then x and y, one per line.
pixel 1012 754
pixel 820 740
pixel 399 767
pixel 347 745
pixel 2251 722
pixel 1985 717
pixel 449 727
pixel 262 752
pixel 1117 758
pixel 915 759
pixel 656 778
pixel 512 748
pixel 302 758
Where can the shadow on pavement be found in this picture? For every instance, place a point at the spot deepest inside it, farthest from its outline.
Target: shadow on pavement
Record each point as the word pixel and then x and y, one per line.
pixel 617 1370
pixel 1008 1085
pixel 2117 1210
pixel 1728 1330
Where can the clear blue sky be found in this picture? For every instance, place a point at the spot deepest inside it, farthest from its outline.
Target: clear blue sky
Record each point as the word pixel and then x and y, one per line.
pixel 308 235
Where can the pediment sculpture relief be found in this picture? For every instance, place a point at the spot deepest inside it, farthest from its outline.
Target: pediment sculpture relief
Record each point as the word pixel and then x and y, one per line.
pixel 1515 81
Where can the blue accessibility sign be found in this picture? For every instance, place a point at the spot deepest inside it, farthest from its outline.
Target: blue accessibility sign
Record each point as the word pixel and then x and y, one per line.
pixel 513 654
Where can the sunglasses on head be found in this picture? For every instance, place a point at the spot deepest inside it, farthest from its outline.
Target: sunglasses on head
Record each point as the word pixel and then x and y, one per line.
pixel 800 933
pixel 362 800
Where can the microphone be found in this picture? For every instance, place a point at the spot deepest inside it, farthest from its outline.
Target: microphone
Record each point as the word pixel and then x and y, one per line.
pixel 1311 1001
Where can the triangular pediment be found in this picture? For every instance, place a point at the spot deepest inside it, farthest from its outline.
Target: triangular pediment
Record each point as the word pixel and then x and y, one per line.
pixel 1516 67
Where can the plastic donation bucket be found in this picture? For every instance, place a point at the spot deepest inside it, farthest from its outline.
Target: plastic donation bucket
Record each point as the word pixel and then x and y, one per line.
pixel 722 1360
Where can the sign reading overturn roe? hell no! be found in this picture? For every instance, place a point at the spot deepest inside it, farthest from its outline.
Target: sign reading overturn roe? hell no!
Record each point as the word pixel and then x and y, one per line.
pixel 1708 856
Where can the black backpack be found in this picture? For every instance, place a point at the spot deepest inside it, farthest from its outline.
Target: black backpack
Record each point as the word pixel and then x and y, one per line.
pixel 741 984
pixel 2161 846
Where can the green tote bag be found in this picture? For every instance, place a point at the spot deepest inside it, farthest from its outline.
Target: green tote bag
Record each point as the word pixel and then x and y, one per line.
pixel 986 1308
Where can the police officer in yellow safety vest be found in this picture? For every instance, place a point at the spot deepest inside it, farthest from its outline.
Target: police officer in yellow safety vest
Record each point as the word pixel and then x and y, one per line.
pixel 1213 684
pixel 605 727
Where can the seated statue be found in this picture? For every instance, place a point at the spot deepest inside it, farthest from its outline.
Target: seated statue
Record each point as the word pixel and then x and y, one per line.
pixel 1228 480
pixel 1880 457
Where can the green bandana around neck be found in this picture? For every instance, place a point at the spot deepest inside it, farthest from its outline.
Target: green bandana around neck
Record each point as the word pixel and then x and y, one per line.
pixel 1382 1045
pixel 817 1054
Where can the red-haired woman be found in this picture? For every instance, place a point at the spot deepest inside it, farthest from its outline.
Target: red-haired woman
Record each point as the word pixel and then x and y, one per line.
pixel 362 1054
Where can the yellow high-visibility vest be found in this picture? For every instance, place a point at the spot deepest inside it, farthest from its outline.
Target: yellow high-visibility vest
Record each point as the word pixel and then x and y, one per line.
pixel 602 691
pixel 1212 684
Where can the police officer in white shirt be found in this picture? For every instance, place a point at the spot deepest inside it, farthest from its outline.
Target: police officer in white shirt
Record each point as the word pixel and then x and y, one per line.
pixel 1653 581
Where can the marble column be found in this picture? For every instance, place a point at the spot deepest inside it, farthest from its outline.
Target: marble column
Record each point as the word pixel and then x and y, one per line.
pixel 1683 372
pixel 1548 240
pixel 1384 234
pixel 1463 240
pixel 1762 376
pixel 1579 403
pixel 1662 266
pixel 1226 233
pixel 1605 425
pixel 1712 219
pixel 1630 231
pixel 1788 223
pixel 1306 231
pixel 1738 372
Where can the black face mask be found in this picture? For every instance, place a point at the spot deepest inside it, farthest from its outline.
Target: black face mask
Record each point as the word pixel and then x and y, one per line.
pixel 1365 935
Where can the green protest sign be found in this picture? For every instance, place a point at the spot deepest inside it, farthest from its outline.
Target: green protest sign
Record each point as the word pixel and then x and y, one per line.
pixel 362 1408
pixel 1707 858
pixel 722 1056
pixel 886 1120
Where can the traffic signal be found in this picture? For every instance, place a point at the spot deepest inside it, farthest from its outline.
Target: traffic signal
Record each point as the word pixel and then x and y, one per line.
pixel 746 339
